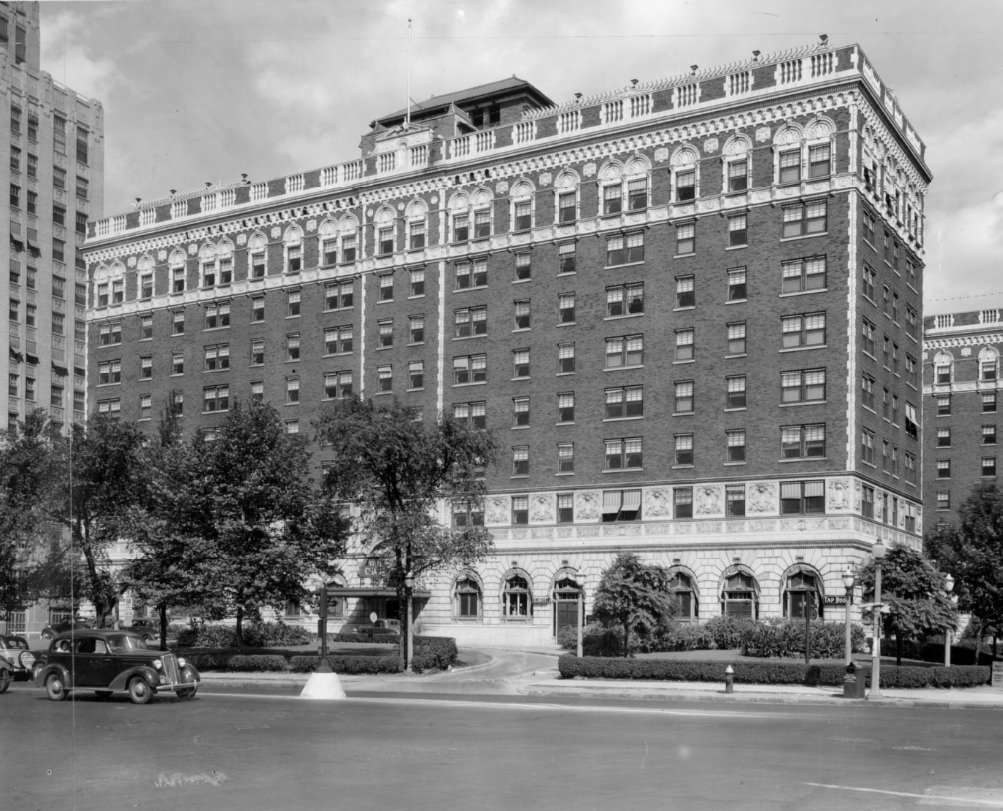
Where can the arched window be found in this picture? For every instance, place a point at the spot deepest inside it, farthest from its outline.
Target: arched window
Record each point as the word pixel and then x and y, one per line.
pixel 566 190
pixel 740 595
pixel 737 164
pixel 467 598
pixel 684 595
pixel 177 267
pixel 517 599
pixel 327 232
pixel 636 173
pixel 989 359
pixel 943 368
pixel 416 214
pixel 293 243
pixel 802 594
pixel 348 232
pixel 522 199
pixel 385 237
pixel 683 168
pixel 566 596
pixel 611 188
pixel 787 152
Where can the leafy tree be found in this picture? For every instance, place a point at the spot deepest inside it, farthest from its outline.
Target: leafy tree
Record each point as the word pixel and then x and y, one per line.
pixel 913 590
pixel 633 595
pixel 28 473
pixel 397 468
pixel 235 523
pixel 101 482
pixel 973 553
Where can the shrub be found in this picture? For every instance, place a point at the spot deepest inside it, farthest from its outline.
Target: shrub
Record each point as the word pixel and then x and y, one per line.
pixel 433 653
pixel 727 632
pixel 689 636
pixel 270 663
pixel 765 672
pixel 785 639
pixel 596 640
pixel 347 664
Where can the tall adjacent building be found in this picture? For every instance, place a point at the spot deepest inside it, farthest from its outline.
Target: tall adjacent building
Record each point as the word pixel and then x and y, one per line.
pixel 55 140
pixel 961 412
pixel 54 175
pixel 690 310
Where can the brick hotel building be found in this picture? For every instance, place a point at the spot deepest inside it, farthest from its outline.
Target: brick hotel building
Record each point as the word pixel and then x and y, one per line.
pixel 690 310
pixel 961 411
pixel 55 142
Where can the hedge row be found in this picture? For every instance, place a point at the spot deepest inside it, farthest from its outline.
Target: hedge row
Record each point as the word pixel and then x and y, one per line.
pixel 770 672
pixel 275 663
pixel 256 635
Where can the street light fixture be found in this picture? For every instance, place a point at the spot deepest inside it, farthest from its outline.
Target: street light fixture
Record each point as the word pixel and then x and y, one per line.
pixel 878 551
pixel 848 585
pixel 409 585
pixel 948 588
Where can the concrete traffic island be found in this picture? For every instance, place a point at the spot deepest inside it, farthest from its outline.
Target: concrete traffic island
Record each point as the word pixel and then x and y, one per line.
pixel 323 684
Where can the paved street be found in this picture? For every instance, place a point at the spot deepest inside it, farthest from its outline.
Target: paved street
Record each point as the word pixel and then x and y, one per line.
pixel 249 752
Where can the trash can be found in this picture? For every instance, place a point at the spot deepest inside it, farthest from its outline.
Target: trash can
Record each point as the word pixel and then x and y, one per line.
pixel 854 682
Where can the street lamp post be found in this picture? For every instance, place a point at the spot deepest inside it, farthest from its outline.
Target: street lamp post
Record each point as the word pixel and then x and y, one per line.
pixel 948 588
pixel 409 586
pixel 848 585
pixel 879 552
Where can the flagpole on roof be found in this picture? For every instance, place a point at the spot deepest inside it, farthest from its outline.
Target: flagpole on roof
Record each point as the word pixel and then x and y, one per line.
pixel 407 107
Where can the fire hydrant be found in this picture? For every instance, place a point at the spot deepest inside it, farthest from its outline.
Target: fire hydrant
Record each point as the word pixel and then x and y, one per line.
pixel 729 679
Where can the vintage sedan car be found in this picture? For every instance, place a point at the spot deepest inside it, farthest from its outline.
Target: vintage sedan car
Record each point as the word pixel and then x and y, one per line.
pixel 21 660
pixel 107 661
pixel 66 625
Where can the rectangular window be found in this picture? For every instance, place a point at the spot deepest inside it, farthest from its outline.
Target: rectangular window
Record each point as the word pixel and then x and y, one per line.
pixel 867 446
pixel 802 441
pixel 803 330
pixel 258 264
pixel 686 238
pixel 802 386
pixel 469 275
pixel 293 346
pixel 566 457
pixel 565 508
pixel 736 338
pixel 417 282
pixel 566 308
pixel 738 175
pixel 738 230
pixel 329 251
pixel 684 344
pixel 989 402
pixel 109 371
pixel 384 378
pixel 416 329
pixel 521 314
pixel 523 215
pixel 943 402
pixel 566 406
pixel 566 254
pixel 567 207
pixel 944 437
pixel 292 390
pixel 734 497
pixel 482 224
pixel 686 185
pixel 338 339
pixel 621 505
pixel 988 465
pixel 684 450
pixel 337 385
pixel 819 163
pixel 178 322
pixel 789 163
pixel 868 280
pixel 943 499
pixel 736 395
pixel 470 321
pixel 178 363
pixel 612 197
pixel 627 299
pixel 386 334
pixel 471 415
pixel 802 497
pixel 520 363
pixel 349 247
pixel 624 401
pixel 686 295
pixel 682 502
pixel 520 460
pixel 565 358
pixel 258 352
pixel 626 350
pixel 988 434
pixel 385 241
pixel 683 403
pixel 803 275
pixel 461 227
pixel 339 295
pixel 81 143
pixel 520 510
pixel 386 289
pixel 216 398
pixel 294 299
pixel 469 369
pixel 735 442
pixel 416 235
pixel 216 358
pixel 520 412
pixel 624 454
pixel 637 194
pixel 737 289
pixel 217 316
pixel 804 219
pixel 943 468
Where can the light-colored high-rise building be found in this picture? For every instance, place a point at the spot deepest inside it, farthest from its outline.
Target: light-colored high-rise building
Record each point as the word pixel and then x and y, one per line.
pixel 54 176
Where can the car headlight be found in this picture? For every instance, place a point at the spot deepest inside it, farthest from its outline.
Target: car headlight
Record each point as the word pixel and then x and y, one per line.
pixel 182 662
pixel 158 664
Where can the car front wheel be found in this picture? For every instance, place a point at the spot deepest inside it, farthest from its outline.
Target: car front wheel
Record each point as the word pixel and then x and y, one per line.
pixel 55 687
pixel 139 691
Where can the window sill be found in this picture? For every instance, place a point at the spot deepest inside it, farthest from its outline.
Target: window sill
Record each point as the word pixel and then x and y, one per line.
pixel 419 388
pixel 737 355
pixel 565 473
pixel 684 255
pixel 564 374
pixel 567 324
pixel 734 463
pixel 519 427
pixel 624 265
pixel 683 467
pixel 625 315
pixel 462 338
pixel 527 377
pixel 804 348
pixel 376 394
pixel 804 459
pixel 732 409
pixel 737 247
pixel 804 236
pixel 621 368
pixel 416 343
pixel 472 383
pixel 522 329
pixel 683 362
pixel 743 300
pixel 623 419
pixel 623 470
pixel 802 402
pixel 804 292
pixel 474 287
pixel 682 413
pixel 522 281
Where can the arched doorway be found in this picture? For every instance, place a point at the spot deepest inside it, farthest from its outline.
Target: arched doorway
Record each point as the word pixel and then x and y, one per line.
pixel 802 593
pixel 739 594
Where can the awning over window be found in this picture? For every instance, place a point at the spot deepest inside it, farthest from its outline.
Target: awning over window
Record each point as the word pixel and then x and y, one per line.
pixel 631 500
pixel 374 591
pixel 611 502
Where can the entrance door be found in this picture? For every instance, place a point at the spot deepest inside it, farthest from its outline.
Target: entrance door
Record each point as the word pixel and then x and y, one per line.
pixel 566 594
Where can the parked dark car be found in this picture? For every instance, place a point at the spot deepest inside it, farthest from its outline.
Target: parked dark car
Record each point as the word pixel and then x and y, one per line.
pixel 148 629
pixel 74 624
pixel 14 650
pixel 107 661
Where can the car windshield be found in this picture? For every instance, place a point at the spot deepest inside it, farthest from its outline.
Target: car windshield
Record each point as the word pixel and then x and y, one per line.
pixel 125 642
pixel 16 643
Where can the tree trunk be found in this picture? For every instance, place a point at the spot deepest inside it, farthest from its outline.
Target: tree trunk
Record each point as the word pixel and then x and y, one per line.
pixel 898 649
pixel 162 610
pixel 240 626
pixel 626 638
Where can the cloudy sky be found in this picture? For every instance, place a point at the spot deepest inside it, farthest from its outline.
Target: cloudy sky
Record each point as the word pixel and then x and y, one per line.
pixel 203 90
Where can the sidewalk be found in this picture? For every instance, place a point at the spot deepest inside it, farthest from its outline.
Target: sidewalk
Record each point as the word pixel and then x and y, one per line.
pixel 534 673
